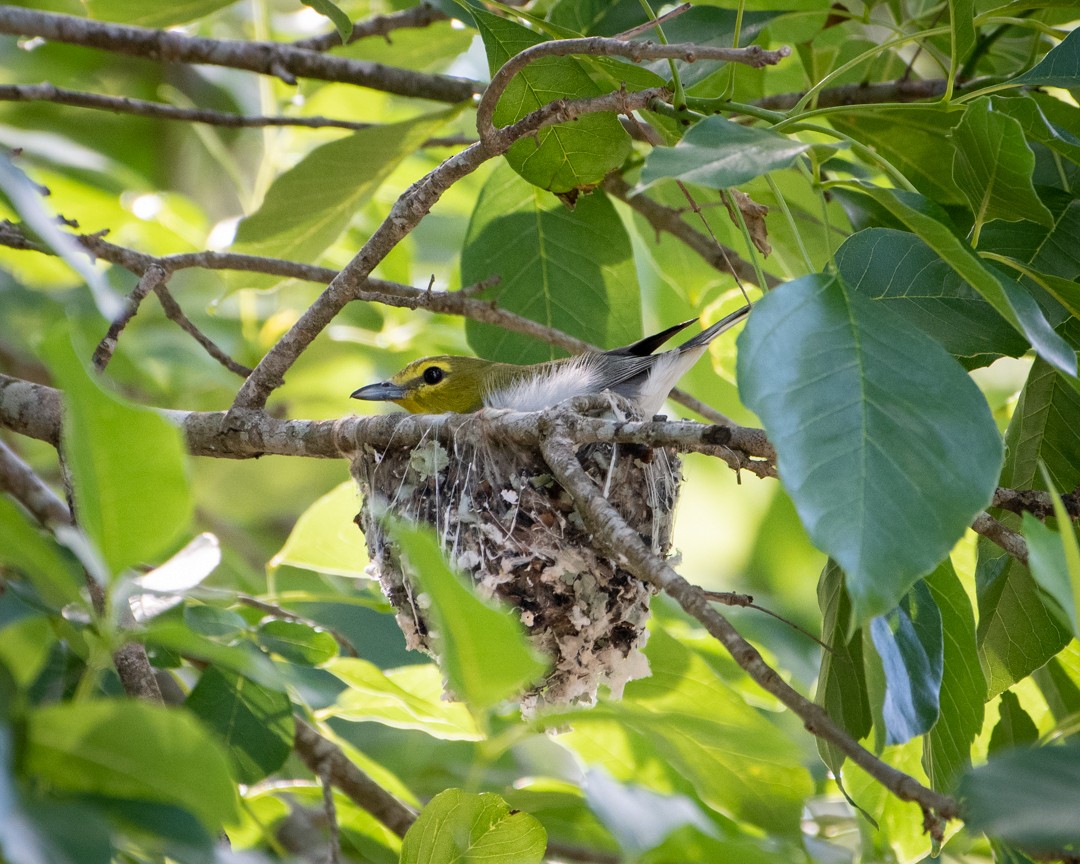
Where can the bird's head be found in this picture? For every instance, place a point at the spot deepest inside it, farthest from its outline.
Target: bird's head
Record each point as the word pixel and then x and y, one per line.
pixel 435 385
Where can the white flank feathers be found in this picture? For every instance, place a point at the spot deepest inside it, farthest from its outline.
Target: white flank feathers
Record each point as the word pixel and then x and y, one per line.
pixel 564 381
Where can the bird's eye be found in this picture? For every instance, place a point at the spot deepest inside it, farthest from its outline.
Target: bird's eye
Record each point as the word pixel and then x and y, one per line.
pixel 433 375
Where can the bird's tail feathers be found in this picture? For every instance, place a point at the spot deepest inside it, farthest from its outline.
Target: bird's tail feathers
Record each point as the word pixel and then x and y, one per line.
pixel 709 333
pixel 645 347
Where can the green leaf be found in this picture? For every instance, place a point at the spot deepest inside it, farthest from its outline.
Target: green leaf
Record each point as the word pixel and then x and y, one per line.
pixel 24 647
pixel 719 153
pixel 484 652
pixel 915 139
pixel 993 165
pixel 214 621
pixel 569 269
pixel 341 21
pixel 841 688
pixel 306 208
pixel 947 748
pixel 407 698
pixel 244 658
pixel 1059 68
pixel 325 537
pixel 24 548
pixel 297 642
pixel 156 15
pixel 886 447
pixel 129 749
pixel 459 827
pixel 1014 728
pixel 254 723
pixel 689 843
pixel 685 729
pixel 128 467
pixel 962 31
pixel 1049 554
pixel 901 271
pixel 1017 634
pixel 910 643
pixel 1029 797
pixel 1011 301
pixel 558 158
pixel 1029 112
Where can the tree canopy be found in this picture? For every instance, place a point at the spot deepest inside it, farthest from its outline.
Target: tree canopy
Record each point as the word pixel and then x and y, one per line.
pixel 865 645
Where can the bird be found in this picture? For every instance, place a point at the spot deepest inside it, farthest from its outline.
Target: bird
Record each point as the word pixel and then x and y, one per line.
pixel 463 385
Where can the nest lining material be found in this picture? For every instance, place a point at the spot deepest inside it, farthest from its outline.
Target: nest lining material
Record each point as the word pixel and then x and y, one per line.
pixel 504 521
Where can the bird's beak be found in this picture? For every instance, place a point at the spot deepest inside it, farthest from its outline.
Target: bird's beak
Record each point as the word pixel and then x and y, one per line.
pixel 384 391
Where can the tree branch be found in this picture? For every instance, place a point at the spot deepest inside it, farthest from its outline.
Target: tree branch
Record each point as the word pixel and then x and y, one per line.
pixel 753 55
pixel 144 108
pixel 407 211
pixel 1006 538
pixel 422 15
pixel 266 58
pixel 624 544
pixel 325 758
pixel 668 219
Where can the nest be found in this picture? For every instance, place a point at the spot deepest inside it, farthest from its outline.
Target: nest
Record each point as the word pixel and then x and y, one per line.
pixel 504 521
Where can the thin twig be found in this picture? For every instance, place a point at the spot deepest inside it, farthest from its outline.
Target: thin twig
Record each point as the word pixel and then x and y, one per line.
pixel 1037 503
pixel 153 277
pixel 175 314
pixel 652 24
pixel 285 615
pixel 667 219
pixel 422 15
pixel 144 108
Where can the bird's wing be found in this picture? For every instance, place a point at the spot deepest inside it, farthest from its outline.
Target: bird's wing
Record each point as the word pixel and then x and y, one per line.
pixel 646 346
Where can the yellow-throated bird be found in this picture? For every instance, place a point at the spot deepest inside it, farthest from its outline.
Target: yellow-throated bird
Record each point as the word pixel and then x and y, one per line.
pixel 436 385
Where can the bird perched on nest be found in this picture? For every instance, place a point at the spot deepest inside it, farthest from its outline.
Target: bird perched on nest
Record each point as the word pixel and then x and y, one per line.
pixel 445 383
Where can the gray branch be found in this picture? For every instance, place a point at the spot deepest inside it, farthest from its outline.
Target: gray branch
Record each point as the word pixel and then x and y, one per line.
pixel 265 58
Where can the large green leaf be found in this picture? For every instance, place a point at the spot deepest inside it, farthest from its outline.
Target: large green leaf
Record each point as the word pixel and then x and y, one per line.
pixel 130 749
pixel 325 537
pixel 841 688
pixel 900 270
pixel 24 548
pixel 159 15
pixel 128 468
pixel 719 153
pixel 947 748
pixel 558 158
pixel 306 208
pixel 243 658
pixel 885 445
pixel 570 269
pixel 485 654
pixel 962 31
pixel 1014 728
pixel 459 827
pixel 684 729
pixel 910 644
pixel 993 165
pixel 1029 797
pixel 1055 563
pixel 407 698
pixel 254 723
pixel 1027 109
pixel 1017 634
pixel 1059 68
pixel 1010 299
pixel 916 139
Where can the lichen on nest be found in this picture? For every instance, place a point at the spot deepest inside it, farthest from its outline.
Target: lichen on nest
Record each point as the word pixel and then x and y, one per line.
pixel 504 521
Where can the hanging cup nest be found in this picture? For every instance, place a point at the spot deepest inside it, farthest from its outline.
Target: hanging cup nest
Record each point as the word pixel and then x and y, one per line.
pixel 504 521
